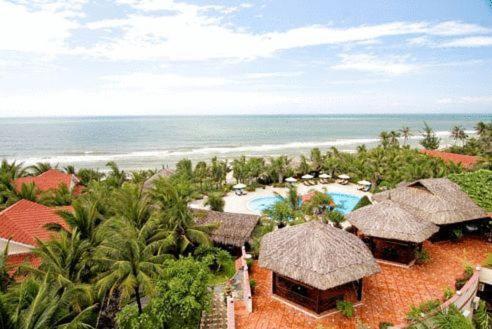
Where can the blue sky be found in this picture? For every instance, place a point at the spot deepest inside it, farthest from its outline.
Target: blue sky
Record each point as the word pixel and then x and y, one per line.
pixel 158 57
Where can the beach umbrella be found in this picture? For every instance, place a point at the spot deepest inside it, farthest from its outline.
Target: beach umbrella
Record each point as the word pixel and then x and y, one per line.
pixel 239 186
pixel 307 176
pixel 343 176
pixel 324 176
pixel 363 182
pixel 291 180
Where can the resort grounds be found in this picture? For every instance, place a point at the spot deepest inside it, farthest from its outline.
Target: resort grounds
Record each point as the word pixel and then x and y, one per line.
pixel 387 296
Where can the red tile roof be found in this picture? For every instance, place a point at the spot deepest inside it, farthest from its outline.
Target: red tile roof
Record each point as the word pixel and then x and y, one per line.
pixel 50 179
pixel 14 261
pixel 466 161
pixel 24 221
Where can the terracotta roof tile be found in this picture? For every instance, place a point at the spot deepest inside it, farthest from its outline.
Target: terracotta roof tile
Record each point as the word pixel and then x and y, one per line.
pixel 466 161
pixel 24 221
pixel 50 179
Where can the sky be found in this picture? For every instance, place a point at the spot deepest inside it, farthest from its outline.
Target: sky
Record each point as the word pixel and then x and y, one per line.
pixel 171 57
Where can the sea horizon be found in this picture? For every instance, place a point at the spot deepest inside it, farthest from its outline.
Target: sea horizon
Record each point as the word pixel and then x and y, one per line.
pixel 152 142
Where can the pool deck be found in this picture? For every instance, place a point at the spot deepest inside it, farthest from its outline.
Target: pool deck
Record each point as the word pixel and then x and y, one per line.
pixel 239 204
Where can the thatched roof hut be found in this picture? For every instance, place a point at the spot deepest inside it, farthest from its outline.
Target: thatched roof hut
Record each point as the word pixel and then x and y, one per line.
pixel 390 220
pixel 233 229
pixel 317 255
pixel 438 200
pixel 164 172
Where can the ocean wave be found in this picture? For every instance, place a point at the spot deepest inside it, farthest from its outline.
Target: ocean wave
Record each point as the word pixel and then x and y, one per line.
pixel 265 149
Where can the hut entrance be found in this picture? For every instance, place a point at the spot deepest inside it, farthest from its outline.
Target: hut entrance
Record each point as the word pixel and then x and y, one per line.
pixel 312 298
pixel 393 250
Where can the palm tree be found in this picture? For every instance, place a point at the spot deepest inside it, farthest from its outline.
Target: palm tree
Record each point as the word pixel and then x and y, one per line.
pixel 280 167
pixel 84 219
pixel 481 128
pixel 239 169
pixel 178 224
pixel 361 149
pixel 130 264
pixel 219 171
pixel 5 278
pixel 430 141
pixel 40 168
pixel 406 134
pixel 393 138
pixel 58 197
pixel 70 169
pixel 28 191
pixel 40 304
pixel 336 217
pixel 13 170
pixel 458 133
pixel 116 177
pixel 384 139
pixel 316 159
pixel 132 205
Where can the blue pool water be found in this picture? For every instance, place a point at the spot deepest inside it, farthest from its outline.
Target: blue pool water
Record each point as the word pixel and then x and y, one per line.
pixel 344 202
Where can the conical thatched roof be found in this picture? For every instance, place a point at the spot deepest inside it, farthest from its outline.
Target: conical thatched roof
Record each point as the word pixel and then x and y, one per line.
pixel 232 229
pixel 389 220
pixel 438 200
pixel 164 172
pixel 317 254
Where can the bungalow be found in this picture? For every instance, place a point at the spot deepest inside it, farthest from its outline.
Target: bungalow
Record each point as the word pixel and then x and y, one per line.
pixel 233 230
pixel 315 265
pixel 437 200
pixel 392 232
pixel 164 172
pixel 50 180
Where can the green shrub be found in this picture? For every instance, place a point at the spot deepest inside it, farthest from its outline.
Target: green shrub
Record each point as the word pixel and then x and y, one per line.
pixel 385 325
pixel 215 201
pixel 481 318
pixel 364 201
pixel 448 293
pixel 478 185
pixel 346 308
pixel 252 284
pixel 456 234
pixel 488 261
pixel 422 256
pixel 416 313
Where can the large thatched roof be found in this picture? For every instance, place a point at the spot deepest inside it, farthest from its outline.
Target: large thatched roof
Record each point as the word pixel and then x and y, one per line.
pixel 164 172
pixel 390 220
pixel 233 229
pixel 317 254
pixel 438 200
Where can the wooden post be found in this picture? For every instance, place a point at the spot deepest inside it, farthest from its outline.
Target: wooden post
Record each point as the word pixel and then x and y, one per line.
pixel 359 289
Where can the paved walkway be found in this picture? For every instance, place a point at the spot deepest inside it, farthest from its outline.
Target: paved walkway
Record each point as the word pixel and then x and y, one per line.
pixel 387 296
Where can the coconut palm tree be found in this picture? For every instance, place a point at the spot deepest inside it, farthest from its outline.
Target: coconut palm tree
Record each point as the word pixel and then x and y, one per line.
pixel 280 167
pixel 5 278
pixel 28 191
pixel 336 217
pixel 116 177
pixel 458 133
pixel 219 171
pixel 406 134
pixel 58 197
pixel 178 225
pixel 393 138
pixel 430 141
pixel 40 167
pixel 70 169
pixel 13 170
pixel 132 205
pixel 129 263
pixel 384 137
pixel 84 219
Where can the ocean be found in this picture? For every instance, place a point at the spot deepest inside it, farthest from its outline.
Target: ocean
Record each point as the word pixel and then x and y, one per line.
pixel 153 142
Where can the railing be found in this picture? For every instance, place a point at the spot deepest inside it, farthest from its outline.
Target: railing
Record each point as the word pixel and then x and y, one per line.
pixel 463 300
pixel 248 300
pixel 231 320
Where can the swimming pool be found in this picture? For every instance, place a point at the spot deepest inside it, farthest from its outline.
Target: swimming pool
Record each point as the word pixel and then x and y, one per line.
pixel 344 202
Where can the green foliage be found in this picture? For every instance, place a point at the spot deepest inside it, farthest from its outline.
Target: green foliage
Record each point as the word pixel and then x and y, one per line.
pixel 252 284
pixel 385 325
pixel 430 140
pixel 422 256
pixel 336 217
pixel 364 201
pixel 478 185
pixel 451 318
pixel 481 318
pixel 488 261
pixel 215 201
pixel 346 308
pixel 417 313
pixel 181 297
pixel 448 293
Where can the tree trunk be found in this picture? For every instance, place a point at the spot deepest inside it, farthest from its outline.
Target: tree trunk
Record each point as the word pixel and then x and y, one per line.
pixel 137 296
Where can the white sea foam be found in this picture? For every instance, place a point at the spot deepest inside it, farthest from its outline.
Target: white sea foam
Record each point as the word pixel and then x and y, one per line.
pixel 264 149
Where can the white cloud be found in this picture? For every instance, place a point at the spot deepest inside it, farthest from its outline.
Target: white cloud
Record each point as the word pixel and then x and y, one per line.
pixel 469 42
pixel 264 75
pixel 43 29
pixel 394 65
pixel 150 81
pixel 479 100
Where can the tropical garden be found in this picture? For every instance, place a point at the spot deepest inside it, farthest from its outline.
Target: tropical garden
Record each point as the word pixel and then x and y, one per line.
pixel 134 258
